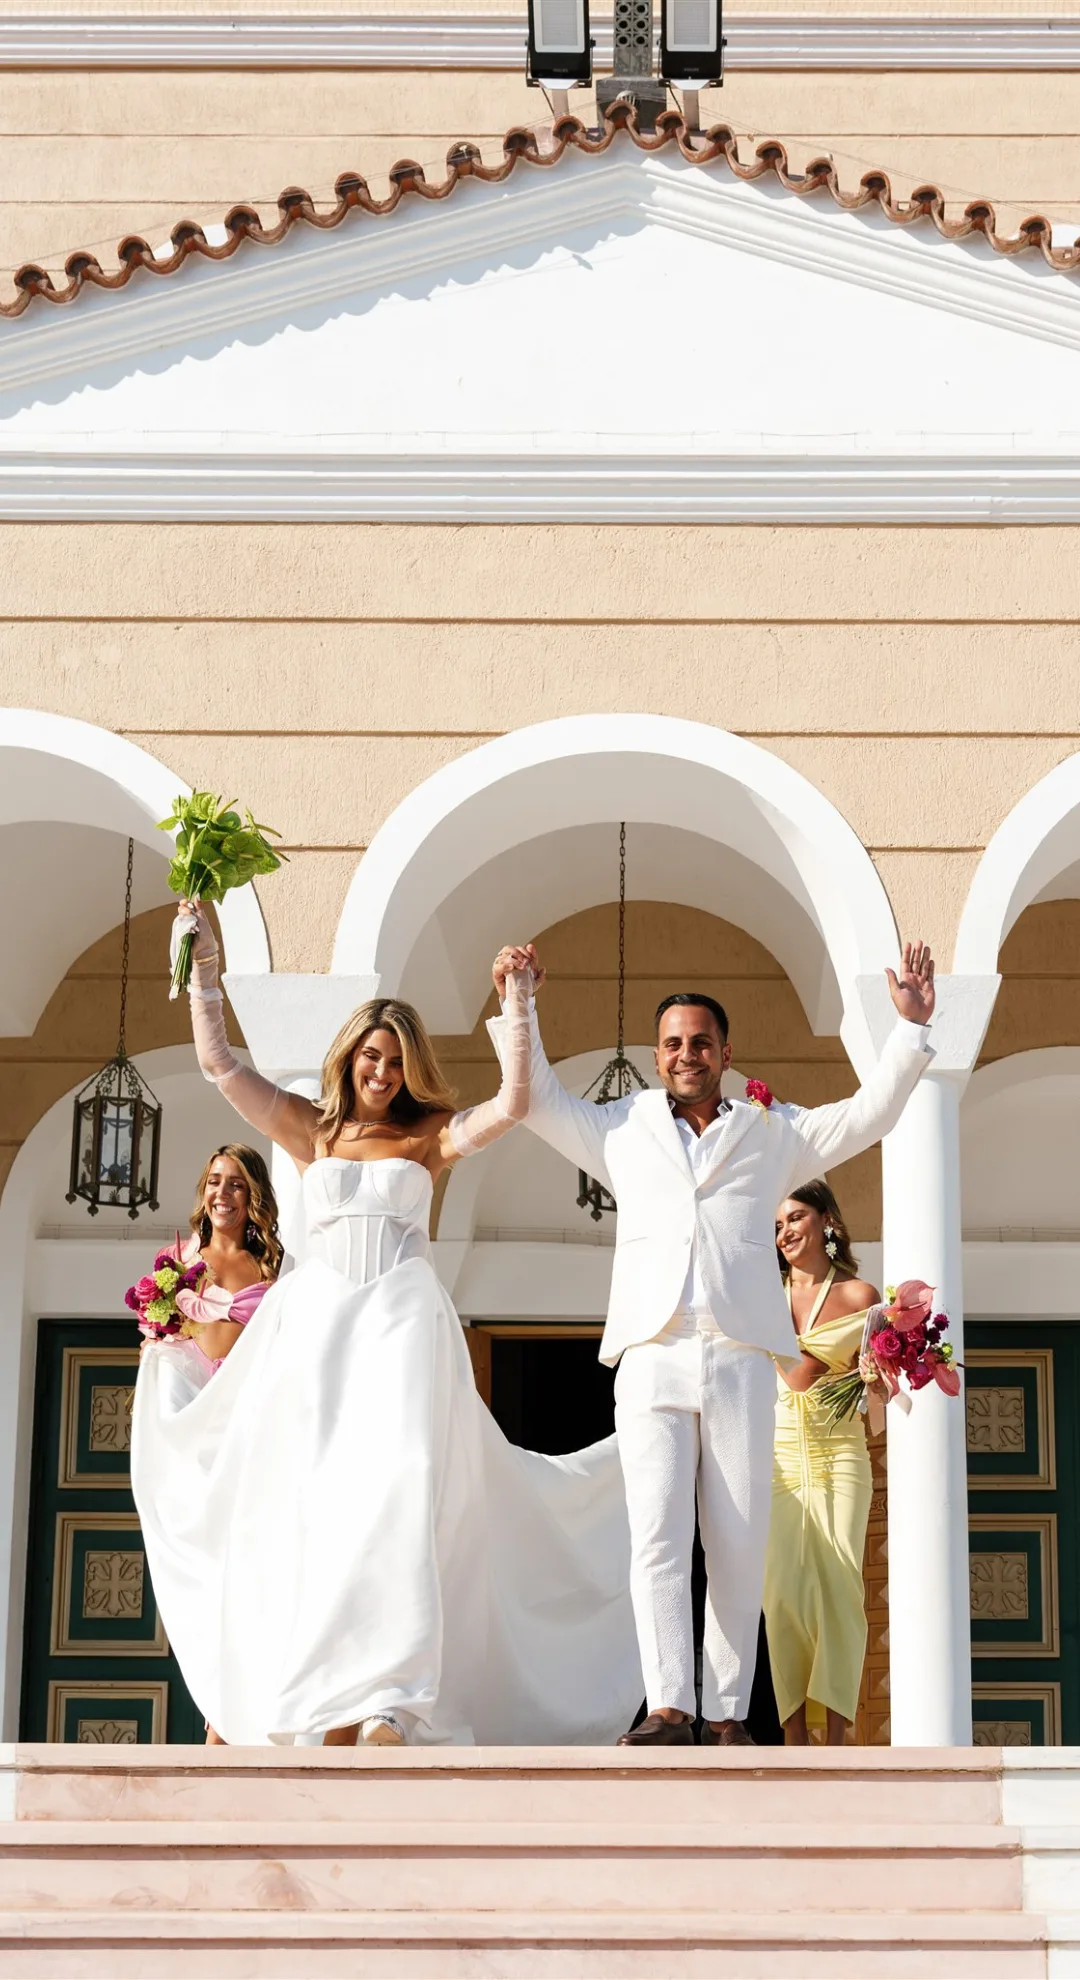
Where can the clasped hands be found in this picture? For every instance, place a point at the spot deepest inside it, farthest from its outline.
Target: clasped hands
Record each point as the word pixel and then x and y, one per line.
pixel 513 960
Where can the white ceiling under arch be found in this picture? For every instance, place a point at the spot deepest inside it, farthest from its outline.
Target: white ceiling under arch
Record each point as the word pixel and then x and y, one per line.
pixel 64 828
pixel 1020 1147
pixel 71 795
pixel 528 887
pixel 61 890
pixel 714 821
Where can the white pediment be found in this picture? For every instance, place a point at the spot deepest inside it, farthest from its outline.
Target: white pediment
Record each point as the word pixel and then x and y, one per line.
pixel 633 309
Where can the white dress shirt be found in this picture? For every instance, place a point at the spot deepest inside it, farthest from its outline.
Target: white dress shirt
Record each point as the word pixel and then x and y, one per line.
pixel 693 1305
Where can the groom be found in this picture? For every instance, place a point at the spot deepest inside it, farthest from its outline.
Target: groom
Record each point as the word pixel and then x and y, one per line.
pixel 695 1311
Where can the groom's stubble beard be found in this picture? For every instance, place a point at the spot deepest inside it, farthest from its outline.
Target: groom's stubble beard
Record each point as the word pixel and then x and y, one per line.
pixel 698 1085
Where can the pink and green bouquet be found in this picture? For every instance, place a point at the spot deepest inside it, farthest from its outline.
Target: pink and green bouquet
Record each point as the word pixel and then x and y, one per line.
pixel 903 1341
pixel 153 1297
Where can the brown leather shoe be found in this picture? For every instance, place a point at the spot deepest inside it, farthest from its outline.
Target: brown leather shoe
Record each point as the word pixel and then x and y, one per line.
pixel 734 1733
pixel 655 1731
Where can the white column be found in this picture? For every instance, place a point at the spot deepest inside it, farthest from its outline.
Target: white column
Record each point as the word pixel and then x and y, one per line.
pixel 929 1621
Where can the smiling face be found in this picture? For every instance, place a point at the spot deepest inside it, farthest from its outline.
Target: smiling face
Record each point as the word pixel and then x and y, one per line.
pixel 226 1197
pixel 378 1072
pixel 800 1236
pixel 691 1055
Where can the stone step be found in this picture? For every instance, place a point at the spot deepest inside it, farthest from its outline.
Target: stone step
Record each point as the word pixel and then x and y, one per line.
pixel 562 1866
pixel 521 1945
pixel 547 1784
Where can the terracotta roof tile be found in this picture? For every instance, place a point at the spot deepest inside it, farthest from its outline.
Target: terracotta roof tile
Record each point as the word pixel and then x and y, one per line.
pixel 522 146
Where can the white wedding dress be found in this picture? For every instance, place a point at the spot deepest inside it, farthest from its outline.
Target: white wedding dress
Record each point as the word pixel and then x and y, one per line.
pixel 335 1525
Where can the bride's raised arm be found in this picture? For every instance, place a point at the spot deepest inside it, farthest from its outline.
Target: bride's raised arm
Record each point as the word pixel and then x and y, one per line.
pixel 287 1118
pixel 474 1128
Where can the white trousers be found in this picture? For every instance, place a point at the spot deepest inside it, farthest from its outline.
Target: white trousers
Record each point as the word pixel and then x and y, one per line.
pixel 694 1415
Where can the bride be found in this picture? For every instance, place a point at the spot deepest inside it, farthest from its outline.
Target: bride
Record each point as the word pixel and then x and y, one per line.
pixel 340 1538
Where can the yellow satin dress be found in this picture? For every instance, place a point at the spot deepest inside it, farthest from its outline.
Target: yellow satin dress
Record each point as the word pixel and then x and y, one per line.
pixel 814 1603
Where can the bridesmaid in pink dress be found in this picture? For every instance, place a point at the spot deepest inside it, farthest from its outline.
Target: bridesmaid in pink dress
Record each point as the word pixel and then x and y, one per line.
pixel 235 1233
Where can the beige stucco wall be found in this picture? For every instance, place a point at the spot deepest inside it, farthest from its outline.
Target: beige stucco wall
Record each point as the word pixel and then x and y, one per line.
pixel 321 672
pixel 88 156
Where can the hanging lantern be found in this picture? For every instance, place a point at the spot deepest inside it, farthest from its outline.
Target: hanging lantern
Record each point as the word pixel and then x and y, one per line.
pixel 116 1136
pixel 620 1076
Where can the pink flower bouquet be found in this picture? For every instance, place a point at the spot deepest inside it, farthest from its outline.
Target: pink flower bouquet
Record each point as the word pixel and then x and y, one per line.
pixel 902 1340
pixel 153 1297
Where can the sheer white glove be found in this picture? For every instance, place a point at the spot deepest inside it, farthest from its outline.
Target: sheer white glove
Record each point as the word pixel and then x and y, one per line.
pixel 477 1127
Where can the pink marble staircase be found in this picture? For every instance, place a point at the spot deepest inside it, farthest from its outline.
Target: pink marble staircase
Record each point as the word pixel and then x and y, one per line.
pixel 117 1862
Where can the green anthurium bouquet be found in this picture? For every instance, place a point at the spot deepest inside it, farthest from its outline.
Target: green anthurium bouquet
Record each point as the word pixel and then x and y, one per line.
pixel 216 850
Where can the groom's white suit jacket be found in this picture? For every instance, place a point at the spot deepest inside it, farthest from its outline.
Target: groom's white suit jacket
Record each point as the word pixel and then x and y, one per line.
pixel 759 1156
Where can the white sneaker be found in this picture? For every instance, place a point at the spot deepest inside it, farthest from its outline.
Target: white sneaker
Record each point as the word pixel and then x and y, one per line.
pixel 382 1729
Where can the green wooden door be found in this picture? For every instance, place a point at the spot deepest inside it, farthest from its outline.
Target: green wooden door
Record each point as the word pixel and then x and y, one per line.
pixel 97 1666
pixel 1023 1437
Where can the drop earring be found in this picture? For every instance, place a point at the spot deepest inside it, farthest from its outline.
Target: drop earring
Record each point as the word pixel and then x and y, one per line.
pixel 831 1246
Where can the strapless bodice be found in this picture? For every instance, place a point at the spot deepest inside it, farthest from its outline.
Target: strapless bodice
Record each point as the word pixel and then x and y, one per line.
pixel 363 1218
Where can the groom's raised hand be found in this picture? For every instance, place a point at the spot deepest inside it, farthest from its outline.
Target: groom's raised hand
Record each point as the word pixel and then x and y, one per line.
pixel 513 958
pixel 913 990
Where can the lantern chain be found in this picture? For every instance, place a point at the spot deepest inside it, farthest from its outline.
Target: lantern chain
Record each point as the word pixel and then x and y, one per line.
pixel 121 1048
pixel 620 1076
pixel 622 938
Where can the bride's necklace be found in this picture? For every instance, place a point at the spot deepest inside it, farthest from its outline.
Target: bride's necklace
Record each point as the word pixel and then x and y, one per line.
pixel 360 1130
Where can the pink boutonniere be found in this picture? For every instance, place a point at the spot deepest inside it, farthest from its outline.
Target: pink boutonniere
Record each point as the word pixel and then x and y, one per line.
pixel 758 1094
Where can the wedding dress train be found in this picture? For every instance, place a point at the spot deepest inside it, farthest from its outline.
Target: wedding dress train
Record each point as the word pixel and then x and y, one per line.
pixel 335 1525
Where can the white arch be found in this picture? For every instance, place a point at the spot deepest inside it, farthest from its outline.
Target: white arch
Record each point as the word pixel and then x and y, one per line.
pixel 1020 1147
pixel 1044 1065
pixel 1037 842
pixel 58 772
pixel 479 816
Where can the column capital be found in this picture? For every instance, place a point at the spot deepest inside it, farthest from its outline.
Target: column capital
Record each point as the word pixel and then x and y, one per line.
pixel 964 1008
pixel 289 1020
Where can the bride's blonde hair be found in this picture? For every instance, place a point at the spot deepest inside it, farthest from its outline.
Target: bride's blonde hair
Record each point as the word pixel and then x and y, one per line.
pixel 424 1091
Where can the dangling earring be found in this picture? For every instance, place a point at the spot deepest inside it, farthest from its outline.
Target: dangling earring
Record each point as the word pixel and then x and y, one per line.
pixel 831 1246
pixel 251 1235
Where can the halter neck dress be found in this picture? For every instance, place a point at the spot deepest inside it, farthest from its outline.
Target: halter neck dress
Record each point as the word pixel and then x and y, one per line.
pixel 814 1601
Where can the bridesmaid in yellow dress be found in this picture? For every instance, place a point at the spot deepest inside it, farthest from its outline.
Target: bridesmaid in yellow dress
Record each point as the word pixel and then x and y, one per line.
pixel 814 1606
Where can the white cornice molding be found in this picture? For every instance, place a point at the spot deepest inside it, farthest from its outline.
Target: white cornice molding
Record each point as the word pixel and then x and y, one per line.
pixel 1007 488
pixel 313 270
pixel 480 41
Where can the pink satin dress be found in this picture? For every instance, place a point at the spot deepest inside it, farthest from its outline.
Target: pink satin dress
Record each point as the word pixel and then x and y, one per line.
pixel 216 1304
